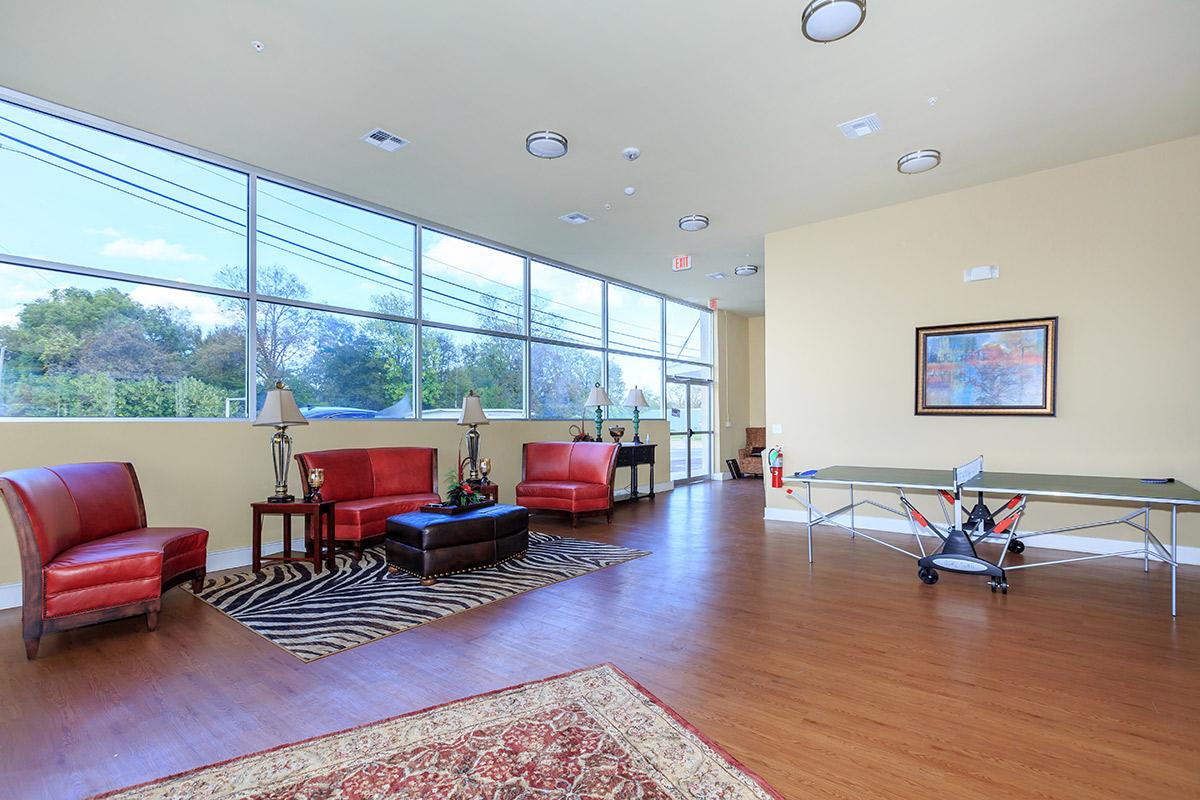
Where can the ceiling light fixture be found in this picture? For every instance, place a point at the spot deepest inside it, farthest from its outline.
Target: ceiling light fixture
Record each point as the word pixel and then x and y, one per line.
pixel 546 144
pixel 827 21
pixel 693 222
pixel 918 161
pixel 745 270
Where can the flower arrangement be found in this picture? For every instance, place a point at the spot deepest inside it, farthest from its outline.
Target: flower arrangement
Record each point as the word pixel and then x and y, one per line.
pixel 460 493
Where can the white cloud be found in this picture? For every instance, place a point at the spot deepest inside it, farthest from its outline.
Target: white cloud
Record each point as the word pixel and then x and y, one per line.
pixel 148 250
pixel 200 308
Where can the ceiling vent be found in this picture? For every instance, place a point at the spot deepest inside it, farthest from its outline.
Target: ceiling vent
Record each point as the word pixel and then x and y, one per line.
pixel 575 218
pixel 863 126
pixel 384 140
pixel 717 276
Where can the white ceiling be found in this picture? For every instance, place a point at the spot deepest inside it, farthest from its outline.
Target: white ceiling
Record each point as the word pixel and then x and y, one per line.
pixel 733 109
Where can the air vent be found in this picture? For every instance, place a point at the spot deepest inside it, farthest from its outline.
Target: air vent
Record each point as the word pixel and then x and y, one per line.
pixel 384 140
pixel 863 126
pixel 575 218
pixel 717 276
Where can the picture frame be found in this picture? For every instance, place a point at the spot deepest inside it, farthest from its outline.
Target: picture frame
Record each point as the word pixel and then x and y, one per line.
pixel 1001 368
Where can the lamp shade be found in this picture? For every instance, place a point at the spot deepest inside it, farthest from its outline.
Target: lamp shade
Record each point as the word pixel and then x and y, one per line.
pixel 635 399
pixel 472 410
pixel 598 397
pixel 279 408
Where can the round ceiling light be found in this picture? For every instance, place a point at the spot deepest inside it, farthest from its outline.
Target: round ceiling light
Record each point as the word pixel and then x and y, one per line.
pixel 746 270
pixel 693 222
pixel 918 161
pixel 546 144
pixel 830 20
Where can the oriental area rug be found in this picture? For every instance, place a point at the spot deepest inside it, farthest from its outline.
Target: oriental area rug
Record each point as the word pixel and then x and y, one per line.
pixel 316 615
pixel 594 734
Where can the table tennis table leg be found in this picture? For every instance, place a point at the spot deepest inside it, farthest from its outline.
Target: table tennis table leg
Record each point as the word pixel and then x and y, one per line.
pixel 1174 554
pixel 808 495
pixel 853 527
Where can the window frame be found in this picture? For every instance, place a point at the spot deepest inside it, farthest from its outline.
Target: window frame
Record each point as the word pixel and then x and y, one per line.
pixel 252 296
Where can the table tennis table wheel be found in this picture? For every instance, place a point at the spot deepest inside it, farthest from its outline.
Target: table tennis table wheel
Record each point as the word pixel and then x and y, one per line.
pixel 927 575
pixel 1016 546
pixel 1001 585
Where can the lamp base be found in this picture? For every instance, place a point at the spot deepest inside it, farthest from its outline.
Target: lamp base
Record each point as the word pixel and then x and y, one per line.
pixel 284 498
pixel 637 439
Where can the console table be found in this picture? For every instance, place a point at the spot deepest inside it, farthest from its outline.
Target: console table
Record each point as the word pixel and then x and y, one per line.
pixel 633 455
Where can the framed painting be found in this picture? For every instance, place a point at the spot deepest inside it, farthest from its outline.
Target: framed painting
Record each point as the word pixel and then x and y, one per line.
pixel 988 368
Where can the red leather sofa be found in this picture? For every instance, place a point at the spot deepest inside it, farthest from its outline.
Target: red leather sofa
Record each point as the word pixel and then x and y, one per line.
pixel 371 484
pixel 573 477
pixel 86 553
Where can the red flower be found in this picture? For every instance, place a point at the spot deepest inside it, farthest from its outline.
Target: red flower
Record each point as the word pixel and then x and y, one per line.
pixel 467 489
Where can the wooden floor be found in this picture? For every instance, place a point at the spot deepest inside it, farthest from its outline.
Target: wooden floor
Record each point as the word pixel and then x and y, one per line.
pixel 846 679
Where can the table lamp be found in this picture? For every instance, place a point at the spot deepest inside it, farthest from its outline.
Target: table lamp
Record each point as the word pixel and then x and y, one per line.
pixel 472 414
pixel 598 398
pixel 279 410
pixel 635 400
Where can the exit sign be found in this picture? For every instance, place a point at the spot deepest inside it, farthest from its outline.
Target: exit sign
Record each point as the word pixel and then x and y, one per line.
pixel 681 263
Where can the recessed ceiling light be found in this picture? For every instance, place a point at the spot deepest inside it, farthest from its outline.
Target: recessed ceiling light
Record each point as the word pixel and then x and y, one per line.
pixel 546 144
pixel 693 222
pixel 575 218
pixel 746 269
pixel 918 161
pixel 829 20
pixel 717 276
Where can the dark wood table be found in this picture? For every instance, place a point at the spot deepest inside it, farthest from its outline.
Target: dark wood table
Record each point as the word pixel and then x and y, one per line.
pixel 312 513
pixel 632 455
pixel 490 489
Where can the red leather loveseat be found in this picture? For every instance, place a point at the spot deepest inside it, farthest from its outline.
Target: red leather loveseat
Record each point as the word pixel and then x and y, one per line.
pixel 86 553
pixel 574 477
pixel 371 484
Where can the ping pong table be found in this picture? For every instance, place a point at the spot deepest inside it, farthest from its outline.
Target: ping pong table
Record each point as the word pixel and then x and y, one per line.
pixel 1145 496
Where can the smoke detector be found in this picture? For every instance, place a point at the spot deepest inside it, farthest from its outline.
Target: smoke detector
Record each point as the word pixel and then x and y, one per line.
pixel 576 218
pixel 384 140
pixel 863 126
pixel 258 46
pixel 631 153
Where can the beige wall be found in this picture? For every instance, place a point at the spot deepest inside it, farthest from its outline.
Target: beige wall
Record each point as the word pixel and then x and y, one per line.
pixel 1110 246
pixel 756 343
pixel 206 473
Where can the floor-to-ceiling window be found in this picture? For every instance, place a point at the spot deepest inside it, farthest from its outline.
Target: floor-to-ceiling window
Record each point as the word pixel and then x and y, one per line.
pixel 140 280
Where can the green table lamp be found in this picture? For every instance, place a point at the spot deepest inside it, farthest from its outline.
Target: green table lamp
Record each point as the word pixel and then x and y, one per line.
pixel 598 398
pixel 635 400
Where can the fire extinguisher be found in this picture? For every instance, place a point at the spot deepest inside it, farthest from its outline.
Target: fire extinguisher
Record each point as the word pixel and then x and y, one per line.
pixel 775 461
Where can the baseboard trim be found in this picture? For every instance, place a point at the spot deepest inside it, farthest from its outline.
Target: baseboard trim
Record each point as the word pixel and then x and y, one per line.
pixel 1053 541
pixel 10 593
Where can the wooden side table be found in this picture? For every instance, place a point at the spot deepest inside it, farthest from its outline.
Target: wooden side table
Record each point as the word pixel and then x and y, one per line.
pixel 631 455
pixel 313 513
pixel 490 489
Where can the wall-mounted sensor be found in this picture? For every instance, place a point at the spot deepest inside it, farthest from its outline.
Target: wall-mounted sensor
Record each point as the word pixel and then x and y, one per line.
pixel 630 153
pixel 984 273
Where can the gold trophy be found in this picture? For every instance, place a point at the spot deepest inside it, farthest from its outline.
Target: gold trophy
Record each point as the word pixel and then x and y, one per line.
pixel 316 479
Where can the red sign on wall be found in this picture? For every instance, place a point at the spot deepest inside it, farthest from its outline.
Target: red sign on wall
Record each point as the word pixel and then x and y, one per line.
pixel 681 263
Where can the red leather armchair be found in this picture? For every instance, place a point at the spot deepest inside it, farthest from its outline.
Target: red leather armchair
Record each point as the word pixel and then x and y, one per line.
pixel 368 485
pixel 574 477
pixel 86 553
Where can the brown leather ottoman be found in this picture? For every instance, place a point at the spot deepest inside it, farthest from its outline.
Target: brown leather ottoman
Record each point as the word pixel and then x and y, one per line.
pixel 431 545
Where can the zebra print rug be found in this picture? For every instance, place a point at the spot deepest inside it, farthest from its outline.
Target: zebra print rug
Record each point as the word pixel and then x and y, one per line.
pixel 312 616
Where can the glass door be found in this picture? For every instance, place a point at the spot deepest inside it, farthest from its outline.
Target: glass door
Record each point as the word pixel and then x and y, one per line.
pixel 689 410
